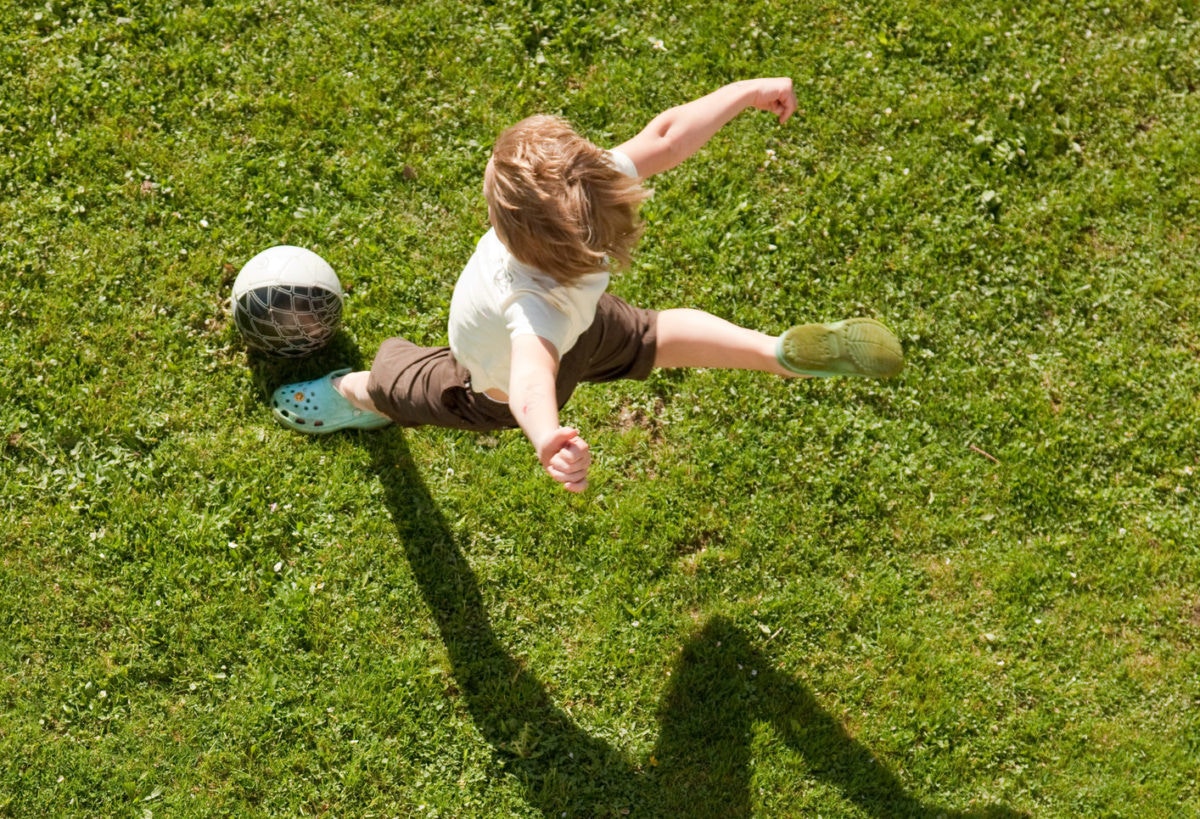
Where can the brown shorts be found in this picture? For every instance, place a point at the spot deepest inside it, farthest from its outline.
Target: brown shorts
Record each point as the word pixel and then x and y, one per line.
pixel 426 385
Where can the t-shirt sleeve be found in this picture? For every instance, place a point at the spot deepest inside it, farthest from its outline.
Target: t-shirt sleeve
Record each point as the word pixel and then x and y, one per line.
pixel 623 163
pixel 527 314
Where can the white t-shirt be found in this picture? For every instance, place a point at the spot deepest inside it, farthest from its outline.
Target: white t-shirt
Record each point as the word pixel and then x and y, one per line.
pixel 498 297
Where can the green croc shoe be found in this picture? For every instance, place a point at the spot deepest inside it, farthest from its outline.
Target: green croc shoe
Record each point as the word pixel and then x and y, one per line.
pixel 315 407
pixel 857 346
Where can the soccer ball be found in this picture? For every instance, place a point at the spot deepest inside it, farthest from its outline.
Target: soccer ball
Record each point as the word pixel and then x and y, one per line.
pixel 287 301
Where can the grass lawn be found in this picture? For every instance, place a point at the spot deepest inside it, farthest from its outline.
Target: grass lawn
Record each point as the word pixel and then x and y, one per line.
pixel 970 591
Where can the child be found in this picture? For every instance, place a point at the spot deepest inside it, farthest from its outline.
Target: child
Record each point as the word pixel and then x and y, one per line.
pixel 530 318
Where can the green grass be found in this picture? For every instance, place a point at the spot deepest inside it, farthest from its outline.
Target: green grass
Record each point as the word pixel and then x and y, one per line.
pixel 971 591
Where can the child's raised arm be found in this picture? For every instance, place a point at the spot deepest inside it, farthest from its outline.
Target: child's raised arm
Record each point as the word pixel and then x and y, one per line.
pixel 679 132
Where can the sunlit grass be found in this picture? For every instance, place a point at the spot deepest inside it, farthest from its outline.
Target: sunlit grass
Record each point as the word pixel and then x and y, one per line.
pixel 969 590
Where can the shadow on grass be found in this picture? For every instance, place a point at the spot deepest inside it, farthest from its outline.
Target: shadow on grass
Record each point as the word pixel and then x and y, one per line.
pixel 268 372
pixel 722 685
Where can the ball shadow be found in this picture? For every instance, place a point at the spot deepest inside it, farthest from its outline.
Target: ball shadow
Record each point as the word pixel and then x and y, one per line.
pixel 269 372
pixel 722 685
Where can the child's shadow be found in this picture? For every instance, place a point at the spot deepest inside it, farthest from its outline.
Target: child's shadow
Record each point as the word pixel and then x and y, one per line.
pixel 720 688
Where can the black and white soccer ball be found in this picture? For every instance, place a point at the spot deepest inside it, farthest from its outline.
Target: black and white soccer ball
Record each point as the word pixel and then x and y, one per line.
pixel 287 302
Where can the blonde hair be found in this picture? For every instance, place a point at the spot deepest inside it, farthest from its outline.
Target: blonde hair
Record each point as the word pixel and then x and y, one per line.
pixel 557 202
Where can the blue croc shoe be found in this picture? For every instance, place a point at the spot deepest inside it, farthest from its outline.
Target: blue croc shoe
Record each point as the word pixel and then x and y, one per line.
pixel 315 407
pixel 857 346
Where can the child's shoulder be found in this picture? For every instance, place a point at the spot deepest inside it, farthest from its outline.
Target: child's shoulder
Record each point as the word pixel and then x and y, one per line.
pixel 621 161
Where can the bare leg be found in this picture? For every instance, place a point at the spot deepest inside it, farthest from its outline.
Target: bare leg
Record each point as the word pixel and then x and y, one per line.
pixel 693 338
pixel 353 387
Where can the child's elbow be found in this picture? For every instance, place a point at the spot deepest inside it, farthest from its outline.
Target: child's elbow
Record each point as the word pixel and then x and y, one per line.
pixel 669 149
pixel 674 148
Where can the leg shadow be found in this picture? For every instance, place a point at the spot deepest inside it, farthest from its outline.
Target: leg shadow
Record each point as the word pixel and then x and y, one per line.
pixel 722 685
pixel 563 770
pixel 701 764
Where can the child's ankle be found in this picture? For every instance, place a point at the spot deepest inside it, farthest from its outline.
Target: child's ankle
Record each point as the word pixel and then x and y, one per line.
pixel 348 387
pixel 337 385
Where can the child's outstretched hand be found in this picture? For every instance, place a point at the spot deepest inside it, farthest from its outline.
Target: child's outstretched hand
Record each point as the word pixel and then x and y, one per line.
pixel 566 458
pixel 775 95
